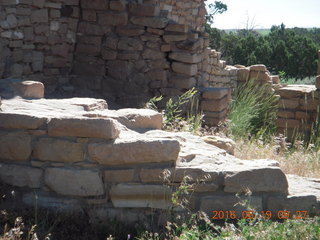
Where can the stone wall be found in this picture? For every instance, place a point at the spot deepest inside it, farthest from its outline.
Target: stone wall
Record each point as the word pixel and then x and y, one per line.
pixel 298 109
pixel 76 155
pixel 126 51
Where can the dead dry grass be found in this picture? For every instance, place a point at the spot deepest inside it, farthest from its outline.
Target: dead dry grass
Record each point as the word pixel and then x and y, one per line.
pixel 299 162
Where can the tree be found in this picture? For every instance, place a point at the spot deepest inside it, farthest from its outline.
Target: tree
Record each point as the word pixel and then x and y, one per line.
pixel 215 8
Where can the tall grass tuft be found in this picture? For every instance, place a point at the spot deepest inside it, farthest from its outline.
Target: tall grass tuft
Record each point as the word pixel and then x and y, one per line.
pixel 253 111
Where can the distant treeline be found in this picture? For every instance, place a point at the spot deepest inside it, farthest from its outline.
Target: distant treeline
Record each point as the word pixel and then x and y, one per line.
pixel 290 52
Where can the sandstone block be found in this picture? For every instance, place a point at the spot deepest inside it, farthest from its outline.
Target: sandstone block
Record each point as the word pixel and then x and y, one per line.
pixel 262 77
pixel 113 19
pixel 119 176
pixel 293 204
pixel 140 196
pixel 294 91
pixel 174 37
pixel 309 104
pixel 258 68
pixel 173 27
pixel 185 57
pixel 20 176
pixel 95 4
pixel 39 16
pixel 130 44
pixel 285 114
pixel 183 82
pixel 140 118
pixel 270 179
pixel 221 142
pixel 83 127
pixel 30 89
pixel 229 203
pixel 152 54
pixel 79 182
pixel 154 22
pixel 287 123
pixel 134 151
pixel 215 105
pixel 37 61
pixel 118 5
pixel 13 120
pixel 15 146
pixel 275 79
pixel 289 103
pixel 144 10
pixel 186 69
pixel 89 69
pixel 176 175
pixel 302 115
pixel 49 149
pixel 220 115
pixel 243 74
pixel 215 93
pixel 130 31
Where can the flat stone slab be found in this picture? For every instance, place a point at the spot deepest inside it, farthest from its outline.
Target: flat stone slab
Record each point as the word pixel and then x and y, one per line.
pixel 134 151
pixel 291 91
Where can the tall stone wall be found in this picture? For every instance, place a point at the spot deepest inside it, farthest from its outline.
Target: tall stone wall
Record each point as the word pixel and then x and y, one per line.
pixel 126 51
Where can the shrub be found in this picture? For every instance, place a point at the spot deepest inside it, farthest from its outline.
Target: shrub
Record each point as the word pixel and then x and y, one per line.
pixel 253 111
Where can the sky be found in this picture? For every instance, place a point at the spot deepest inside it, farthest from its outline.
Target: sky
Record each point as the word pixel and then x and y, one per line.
pixel 265 13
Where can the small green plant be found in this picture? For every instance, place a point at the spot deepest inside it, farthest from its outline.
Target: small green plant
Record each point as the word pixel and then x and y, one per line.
pixel 253 111
pixel 174 108
pixel 151 104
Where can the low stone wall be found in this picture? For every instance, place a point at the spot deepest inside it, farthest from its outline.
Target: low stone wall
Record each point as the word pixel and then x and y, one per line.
pixel 77 155
pixel 298 109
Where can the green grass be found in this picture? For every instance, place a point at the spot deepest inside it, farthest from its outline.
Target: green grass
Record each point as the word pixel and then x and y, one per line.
pixel 304 81
pixel 253 111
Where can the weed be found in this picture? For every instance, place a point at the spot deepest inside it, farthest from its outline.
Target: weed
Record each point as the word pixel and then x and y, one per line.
pixel 253 111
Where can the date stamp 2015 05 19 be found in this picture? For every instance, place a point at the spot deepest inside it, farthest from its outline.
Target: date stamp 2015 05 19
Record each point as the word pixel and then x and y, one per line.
pixel 248 214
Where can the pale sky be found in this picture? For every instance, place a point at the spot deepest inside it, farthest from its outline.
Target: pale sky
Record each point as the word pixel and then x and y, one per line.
pixel 265 13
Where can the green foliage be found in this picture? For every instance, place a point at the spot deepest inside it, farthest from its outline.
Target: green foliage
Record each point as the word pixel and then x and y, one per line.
pixel 215 8
pixel 293 51
pixel 151 104
pixel 253 111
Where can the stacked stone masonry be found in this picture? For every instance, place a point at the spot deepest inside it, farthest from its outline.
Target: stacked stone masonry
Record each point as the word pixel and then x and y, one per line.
pixel 75 154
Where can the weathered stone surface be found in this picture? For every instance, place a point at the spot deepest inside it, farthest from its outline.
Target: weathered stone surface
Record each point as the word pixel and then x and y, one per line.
pixel 294 204
pixel 289 103
pixel 173 27
pixel 293 91
pixel 225 203
pixel 186 69
pixel 219 115
pixel 221 142
pixel 20 176
pixel 55 203
pixel 174 37
pixel 270 179
pixel 176 175
pixel 134 151
pixel 79 182
pixel 258 68
pixel 20 121
pixel 119 176
pixel 30 89
pixel 154 22
pixel 144 10
pixel 287 123
pixel 183 82
pixel 95 4
pixel 49 149
pixel 215 93
pixel 15 146
pixel 140 118
pixel 185 57
pixel 243 74
pixel 138 195
pixel 286 114
pixel 214 105
pixel 113 19
pixel 39 16
pixel 118 5
pixel 83 127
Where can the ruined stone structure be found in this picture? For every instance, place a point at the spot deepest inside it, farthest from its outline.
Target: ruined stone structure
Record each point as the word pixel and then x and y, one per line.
pixel 126 51
pixel 77 155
